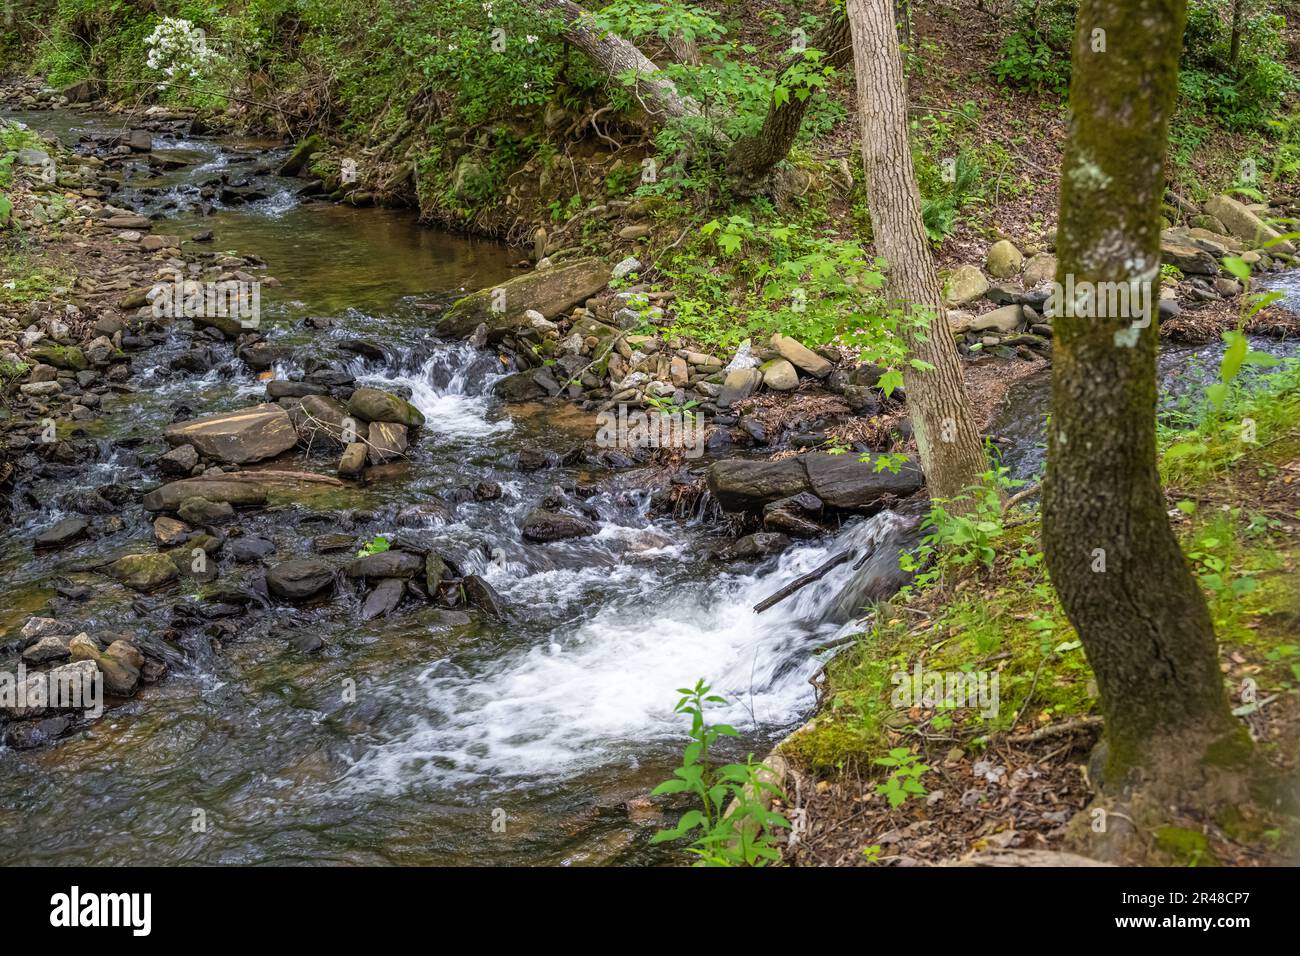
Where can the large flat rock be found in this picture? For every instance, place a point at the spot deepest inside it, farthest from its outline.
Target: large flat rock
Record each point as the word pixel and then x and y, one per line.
pixel 250 434
pixel 170 496
pixel 548 291
pixel 842 482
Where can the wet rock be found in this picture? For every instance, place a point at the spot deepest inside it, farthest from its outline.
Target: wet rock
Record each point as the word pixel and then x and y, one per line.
pixel 250 434
pixel 795 516
pixel 30 734
pixel 386 564
pixel 520 387
pixel 180 461
pixel 741 485
pixel 282 388
pixel 543 525
pixel 548 291
pixel 250 550
pixel 844 483
pixel 383 599
pixel 143 572
pixel 353 460
pixel 47 649
pixel 299 579
pixel 62 533
pixel 387 441
pixel 361 347
pixel 38 627
pixel 301 155
pixel 480 594
pixel 319 418
pixel 373 405
pixel 238 493
pixel 330 543
pixel 201 511
pixel 308 642
pixel 752 547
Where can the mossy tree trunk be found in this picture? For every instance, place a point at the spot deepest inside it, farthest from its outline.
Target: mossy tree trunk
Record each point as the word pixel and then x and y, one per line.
pixel 946 438
pixel 1113 557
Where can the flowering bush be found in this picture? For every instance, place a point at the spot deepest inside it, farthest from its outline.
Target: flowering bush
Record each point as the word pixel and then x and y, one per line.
pixel 179 49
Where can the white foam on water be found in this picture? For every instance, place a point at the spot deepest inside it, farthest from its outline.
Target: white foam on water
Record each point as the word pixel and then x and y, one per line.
pixel 602 690
pixel 445 391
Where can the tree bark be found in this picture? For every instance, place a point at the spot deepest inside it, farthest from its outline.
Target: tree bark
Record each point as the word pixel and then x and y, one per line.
pixel 1113 557
pixel 952 456
pixel 657 94
pixel 751 160
pixel 1234 44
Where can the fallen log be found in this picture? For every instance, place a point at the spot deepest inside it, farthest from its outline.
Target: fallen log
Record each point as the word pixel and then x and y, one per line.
pixel 802 581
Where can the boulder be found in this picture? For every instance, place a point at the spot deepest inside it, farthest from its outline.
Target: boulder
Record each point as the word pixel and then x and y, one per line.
pixel 143 572
pixel 543 525
pixel 383 600
pixel 965 284
pixel 548 291
pixel 386 564
pixel 297 160
pixel 169 532
pixel 201 511
pixel 250 434
pixel 739 385
pixel 373 405
pixel 353 460
pixel 237 493
pixel 1040 269
pixel 69 357
pixel 742 485
pixel 299 579
pixel 62 533
pixel 841 482
pixel 794 516
pixel 520 387
pixel 844 483
pixel 483 596
pixel 318 418
pixel 1004 260
pixel 752 547
pixel 387 441
pixel 179 461
pixel 1006 319
pixel 1190 259
pixel 1244 224
pixel 778 375
pixel 47 649
pixel 800 356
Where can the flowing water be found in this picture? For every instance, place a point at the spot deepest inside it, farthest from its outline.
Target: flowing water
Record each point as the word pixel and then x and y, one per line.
pixel 556 717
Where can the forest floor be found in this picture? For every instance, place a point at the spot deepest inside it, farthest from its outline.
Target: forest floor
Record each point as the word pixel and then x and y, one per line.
pixel 1016 780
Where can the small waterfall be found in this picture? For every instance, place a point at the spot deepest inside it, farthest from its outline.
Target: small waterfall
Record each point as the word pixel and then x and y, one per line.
pixel 595 692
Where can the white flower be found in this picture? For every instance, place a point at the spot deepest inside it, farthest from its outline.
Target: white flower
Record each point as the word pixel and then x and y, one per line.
pixel 530 38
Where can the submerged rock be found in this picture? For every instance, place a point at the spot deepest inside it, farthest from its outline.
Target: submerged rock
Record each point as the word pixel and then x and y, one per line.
pixel 543 526
pixel 144 572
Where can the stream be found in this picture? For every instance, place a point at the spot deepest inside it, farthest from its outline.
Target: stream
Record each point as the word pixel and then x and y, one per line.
pixel 551 720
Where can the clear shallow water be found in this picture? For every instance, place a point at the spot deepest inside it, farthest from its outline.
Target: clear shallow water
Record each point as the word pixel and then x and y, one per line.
pixel 555 717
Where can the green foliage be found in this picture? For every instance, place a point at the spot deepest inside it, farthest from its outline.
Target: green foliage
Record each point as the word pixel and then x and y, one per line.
pixel 741 836
pixel 376 545
pixel 904 780
pixel 966 537
pixel 1036 54
pixel 1245 96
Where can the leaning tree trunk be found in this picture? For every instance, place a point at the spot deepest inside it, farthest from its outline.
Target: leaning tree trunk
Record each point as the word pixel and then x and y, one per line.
pixel 615 56
pixel 751 160
pixel 946 438
pixel 1113 557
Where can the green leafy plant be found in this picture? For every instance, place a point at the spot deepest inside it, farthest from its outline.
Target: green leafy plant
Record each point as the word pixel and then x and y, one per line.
pixel 743 834
pixel 904 780
pixel 376 545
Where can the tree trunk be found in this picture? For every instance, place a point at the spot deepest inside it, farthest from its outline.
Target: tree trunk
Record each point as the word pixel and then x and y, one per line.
pixel 1234 46
pixel 657 94
pixel 1113 557
pixel 946 438
pixel 751 160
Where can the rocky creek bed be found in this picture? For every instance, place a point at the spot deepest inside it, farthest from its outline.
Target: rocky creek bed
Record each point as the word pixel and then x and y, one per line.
pixel 195 530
